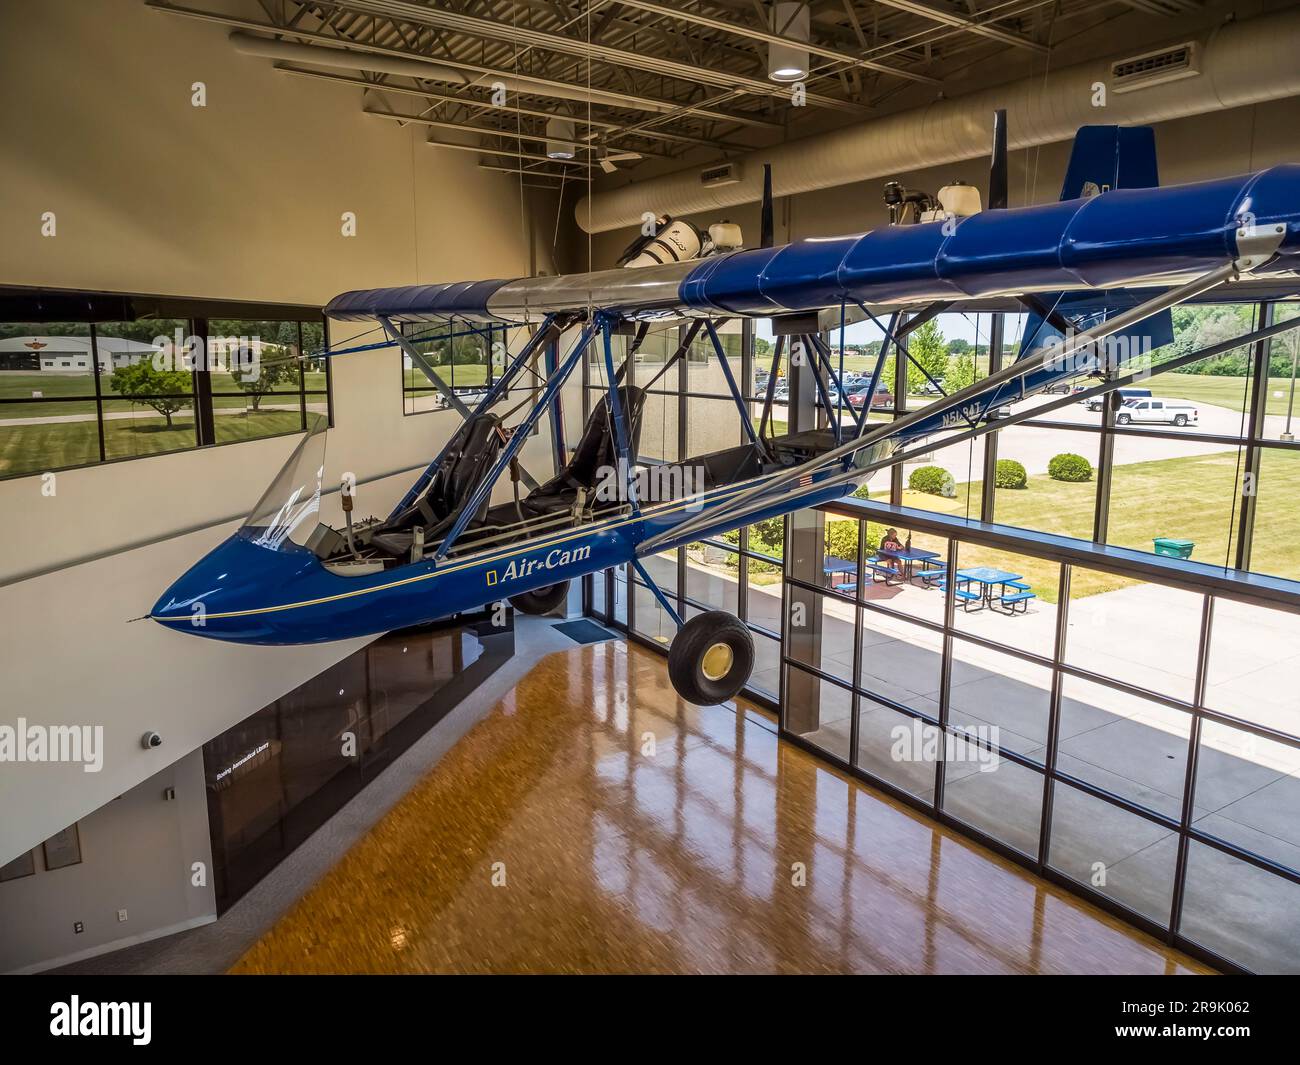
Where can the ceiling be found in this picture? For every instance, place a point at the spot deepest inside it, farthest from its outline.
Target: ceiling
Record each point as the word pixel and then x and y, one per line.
pixel 665 79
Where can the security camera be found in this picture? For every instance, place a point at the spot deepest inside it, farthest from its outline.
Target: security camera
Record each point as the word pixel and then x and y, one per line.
pixel 150 740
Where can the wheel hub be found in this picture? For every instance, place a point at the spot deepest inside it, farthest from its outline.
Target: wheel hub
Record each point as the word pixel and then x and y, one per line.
pixel 717 661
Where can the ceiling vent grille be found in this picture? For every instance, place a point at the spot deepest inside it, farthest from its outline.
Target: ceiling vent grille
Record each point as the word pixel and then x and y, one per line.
pixel 711 177
pixel 1155 68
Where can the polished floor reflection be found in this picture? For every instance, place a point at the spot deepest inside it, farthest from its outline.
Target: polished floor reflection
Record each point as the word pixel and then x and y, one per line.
pixel 592 822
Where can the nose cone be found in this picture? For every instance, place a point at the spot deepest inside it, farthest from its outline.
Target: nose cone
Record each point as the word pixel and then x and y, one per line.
pixel 225 593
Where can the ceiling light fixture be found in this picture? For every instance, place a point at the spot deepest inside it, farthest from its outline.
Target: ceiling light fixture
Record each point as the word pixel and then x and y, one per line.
pixel 790 19
pixel 560 137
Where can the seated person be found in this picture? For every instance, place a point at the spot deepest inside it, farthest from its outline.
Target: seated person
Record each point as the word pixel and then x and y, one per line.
pixel 890 541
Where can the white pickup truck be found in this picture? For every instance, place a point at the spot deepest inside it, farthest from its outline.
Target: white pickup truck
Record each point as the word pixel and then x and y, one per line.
pixel 1153 411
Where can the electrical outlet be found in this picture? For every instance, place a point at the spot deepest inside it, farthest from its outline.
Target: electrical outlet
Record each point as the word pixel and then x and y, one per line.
pixel 78 927
pixel 121 916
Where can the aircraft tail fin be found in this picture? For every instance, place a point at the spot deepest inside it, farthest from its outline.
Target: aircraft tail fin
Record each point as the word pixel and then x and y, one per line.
pixel 1110 157
pixel 1105 158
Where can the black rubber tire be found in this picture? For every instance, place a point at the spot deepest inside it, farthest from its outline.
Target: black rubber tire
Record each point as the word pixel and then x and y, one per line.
pixel 686 658
pixel 1123 419
pixel 1180 420
pixel 541 600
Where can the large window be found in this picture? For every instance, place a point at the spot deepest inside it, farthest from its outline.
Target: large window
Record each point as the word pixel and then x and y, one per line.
pixel 1119 725
pixel 467 358
pixel 1138 740
pixel 76 393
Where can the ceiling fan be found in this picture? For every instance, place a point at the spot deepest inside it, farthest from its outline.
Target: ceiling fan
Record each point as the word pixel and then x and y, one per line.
pixel 609 160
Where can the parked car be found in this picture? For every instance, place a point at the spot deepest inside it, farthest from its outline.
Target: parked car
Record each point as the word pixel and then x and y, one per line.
pixel 882 398
pixel 782 392
pixel 1062 388
pixel 1156 411
pixel 929 388
pixel 1095 403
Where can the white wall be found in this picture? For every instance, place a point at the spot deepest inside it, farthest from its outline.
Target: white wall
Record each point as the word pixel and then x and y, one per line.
pixel 138 854
pixel 238 200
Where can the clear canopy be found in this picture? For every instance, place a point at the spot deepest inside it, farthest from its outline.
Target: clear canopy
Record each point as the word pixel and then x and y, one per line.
pixel 290 507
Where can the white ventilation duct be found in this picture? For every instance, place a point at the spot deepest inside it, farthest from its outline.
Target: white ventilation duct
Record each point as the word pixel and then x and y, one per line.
pixel 1239 63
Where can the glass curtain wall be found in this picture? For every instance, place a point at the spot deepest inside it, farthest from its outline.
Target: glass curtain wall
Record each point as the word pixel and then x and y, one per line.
pixel 1120 728
pixel 1135 739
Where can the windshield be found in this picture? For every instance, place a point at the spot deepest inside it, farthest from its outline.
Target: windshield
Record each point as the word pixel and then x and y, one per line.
pixel 289 507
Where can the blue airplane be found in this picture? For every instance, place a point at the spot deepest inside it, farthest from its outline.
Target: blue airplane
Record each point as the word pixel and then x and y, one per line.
pixel 1105 263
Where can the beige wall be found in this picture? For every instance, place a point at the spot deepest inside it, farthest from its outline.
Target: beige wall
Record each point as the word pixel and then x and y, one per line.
pixel 238 200
pixel 144 853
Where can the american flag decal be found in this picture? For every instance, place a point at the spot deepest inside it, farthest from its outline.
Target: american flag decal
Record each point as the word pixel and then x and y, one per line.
pixel 805 481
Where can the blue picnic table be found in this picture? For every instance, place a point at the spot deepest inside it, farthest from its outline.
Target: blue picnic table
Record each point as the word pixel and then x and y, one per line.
pixel 909 556
pixel 987 577
pixel 832 566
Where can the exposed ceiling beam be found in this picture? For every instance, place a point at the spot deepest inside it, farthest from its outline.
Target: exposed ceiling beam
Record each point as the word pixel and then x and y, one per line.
pixel 756 34
pixel 702 74
pixel 468 101
pixel 330 46
pixel 472 101
pixel 970 24
pixel 509 134
pixel 511 154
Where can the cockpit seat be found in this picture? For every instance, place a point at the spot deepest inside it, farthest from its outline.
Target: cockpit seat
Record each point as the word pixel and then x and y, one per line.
pixel 595 453
pixel 468 458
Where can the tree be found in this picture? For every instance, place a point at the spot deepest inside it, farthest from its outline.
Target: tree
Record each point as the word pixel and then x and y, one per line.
pixel 929 350
pixel 274 367
pixel 960 373
pixel 142 382
pixel 958 346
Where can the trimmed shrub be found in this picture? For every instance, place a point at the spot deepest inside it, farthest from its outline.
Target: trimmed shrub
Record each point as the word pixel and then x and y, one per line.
pixel 1011 474
pixel 933 480
pixel 842 538
pixel 1068 466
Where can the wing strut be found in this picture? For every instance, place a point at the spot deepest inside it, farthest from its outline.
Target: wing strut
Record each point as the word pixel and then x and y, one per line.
pixel 735 390
pixel 417 357
pixel 622 452
pixel 777 350
pixel 547 333
pixel 517 438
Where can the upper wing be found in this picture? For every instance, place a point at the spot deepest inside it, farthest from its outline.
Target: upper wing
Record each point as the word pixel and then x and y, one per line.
pixel 1123 238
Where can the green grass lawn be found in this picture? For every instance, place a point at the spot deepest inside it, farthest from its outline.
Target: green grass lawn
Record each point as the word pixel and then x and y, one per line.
pixel 1229 392
pixel 467 375
pixel 53 445
pixel 75 393
pixel 1186 498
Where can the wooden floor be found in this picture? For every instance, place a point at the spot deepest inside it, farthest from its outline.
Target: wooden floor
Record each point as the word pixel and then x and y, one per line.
pixel 595 823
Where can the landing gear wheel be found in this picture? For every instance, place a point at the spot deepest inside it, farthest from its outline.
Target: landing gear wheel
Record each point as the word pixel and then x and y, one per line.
pixel 711 658
pixel 541 600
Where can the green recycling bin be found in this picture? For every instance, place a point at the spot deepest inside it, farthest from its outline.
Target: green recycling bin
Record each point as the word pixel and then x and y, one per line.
pixel 1174 548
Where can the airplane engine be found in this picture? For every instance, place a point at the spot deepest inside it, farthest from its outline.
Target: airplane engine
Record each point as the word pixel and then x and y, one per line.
pixel 673 241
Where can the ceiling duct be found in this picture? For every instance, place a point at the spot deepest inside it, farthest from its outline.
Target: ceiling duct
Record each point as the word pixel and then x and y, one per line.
pixel 1239 63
